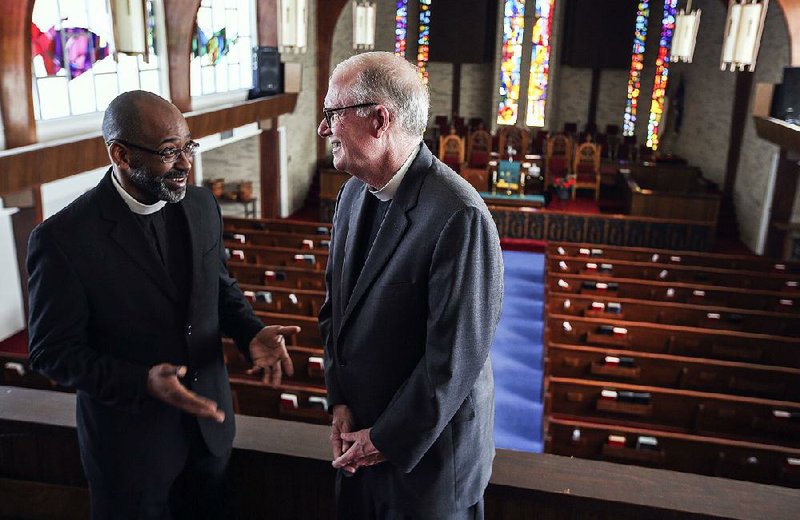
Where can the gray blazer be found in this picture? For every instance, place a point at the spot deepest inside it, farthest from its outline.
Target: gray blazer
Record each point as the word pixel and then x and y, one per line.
pixel 408 350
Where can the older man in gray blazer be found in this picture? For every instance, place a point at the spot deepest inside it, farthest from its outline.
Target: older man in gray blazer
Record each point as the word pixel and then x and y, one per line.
pixel 415 283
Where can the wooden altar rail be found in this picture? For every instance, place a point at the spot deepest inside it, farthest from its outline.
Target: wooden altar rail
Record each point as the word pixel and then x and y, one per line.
pixel 618 230
pixel 282 468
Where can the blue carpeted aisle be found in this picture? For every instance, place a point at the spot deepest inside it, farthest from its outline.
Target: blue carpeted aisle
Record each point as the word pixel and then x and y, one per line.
pixel 517 355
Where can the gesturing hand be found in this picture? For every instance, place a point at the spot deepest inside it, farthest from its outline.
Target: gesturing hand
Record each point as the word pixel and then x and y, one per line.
pixel 360 454
pixel 268 351
pixel 163 384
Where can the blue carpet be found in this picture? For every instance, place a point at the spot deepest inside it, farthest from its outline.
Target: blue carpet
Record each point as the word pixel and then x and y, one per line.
pixel 517 355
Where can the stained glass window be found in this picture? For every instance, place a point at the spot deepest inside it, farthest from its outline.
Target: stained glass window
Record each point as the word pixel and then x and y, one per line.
pixel 222 47
pixel 401 28
pixel 73 70
pixel 423 40
pixel 637 64
pixel 510 61
pixel 540 63
pixel 662 73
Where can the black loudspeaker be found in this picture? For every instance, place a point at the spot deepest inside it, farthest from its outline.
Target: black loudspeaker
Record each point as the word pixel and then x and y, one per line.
pixel 786 97
pixel 266 72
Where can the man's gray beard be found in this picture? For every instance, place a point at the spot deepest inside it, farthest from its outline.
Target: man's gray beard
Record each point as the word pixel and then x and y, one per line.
pixel 154 185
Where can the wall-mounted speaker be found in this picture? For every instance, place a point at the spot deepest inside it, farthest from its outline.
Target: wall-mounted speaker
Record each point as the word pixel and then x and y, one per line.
pixel 266 72
pixel 786 97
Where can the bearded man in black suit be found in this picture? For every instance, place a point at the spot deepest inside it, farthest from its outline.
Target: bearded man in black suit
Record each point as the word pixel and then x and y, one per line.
pixel 129 295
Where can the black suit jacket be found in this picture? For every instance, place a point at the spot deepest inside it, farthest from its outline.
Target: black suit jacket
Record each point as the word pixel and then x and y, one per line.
pixel 103 310
pixel 408 350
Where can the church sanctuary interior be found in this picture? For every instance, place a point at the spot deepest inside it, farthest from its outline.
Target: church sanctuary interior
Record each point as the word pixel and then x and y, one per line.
pixel 639 158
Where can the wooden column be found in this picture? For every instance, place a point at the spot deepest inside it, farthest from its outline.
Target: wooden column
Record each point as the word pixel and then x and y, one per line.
pixel 16 99
pixel 267 16
pixel 180 16
pixel 269 144
pixel 328 12
pixel 741 100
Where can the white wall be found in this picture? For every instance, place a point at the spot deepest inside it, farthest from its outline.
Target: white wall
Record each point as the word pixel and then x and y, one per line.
pixel 12 315
pixel 58 194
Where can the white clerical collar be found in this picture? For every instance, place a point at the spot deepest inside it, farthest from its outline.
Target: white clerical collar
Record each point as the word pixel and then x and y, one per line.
pixel 388 191
pixel 136 206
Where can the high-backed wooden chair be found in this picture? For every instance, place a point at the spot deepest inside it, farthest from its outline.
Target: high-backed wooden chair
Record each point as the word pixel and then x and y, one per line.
pixel 514 136
pixel 451 151
pixel 586 167
pixel 557 161
pixel 479 150
pixel 539 144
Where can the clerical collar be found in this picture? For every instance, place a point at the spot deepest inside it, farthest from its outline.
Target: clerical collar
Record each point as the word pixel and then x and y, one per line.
pixel 388 191
pixel 134 205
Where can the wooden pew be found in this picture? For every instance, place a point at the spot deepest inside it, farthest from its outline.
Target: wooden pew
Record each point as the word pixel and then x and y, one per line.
pixel 670 371
pixel 278 239
pixel 252 397
pixel 670 313
pixel 713 456
pixel 282 256
pixel 788 282
pixel 277 276
pixel 283 225
pixel 745 347
pixel 16 371
pixel 284 300
pixel 308 336
pixel 307 364
pixel 692 293
pixel 677 410
pixel 672 257
pixel 291 402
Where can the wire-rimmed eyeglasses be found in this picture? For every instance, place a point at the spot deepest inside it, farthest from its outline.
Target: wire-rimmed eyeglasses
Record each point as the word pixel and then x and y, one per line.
pixel 328 113
pixel 167 155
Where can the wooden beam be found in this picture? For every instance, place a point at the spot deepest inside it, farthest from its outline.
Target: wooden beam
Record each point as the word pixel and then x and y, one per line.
pixel 328 12
pixel 28 166
pixel 552 486
pixel 16 87
pixel 180 16
pixel 267 15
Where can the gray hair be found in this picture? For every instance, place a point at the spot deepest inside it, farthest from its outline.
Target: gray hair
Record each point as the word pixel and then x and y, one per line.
pixel 382 77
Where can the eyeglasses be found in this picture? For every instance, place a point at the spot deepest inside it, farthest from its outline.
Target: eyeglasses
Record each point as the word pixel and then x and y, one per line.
pixel 167 155
pixel 328 113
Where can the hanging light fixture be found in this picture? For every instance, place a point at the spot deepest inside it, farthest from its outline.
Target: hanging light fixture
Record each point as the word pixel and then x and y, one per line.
pixel 743 30
pixel 363 25
pixel 293 26
pixel 129 24
pixel 685 36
